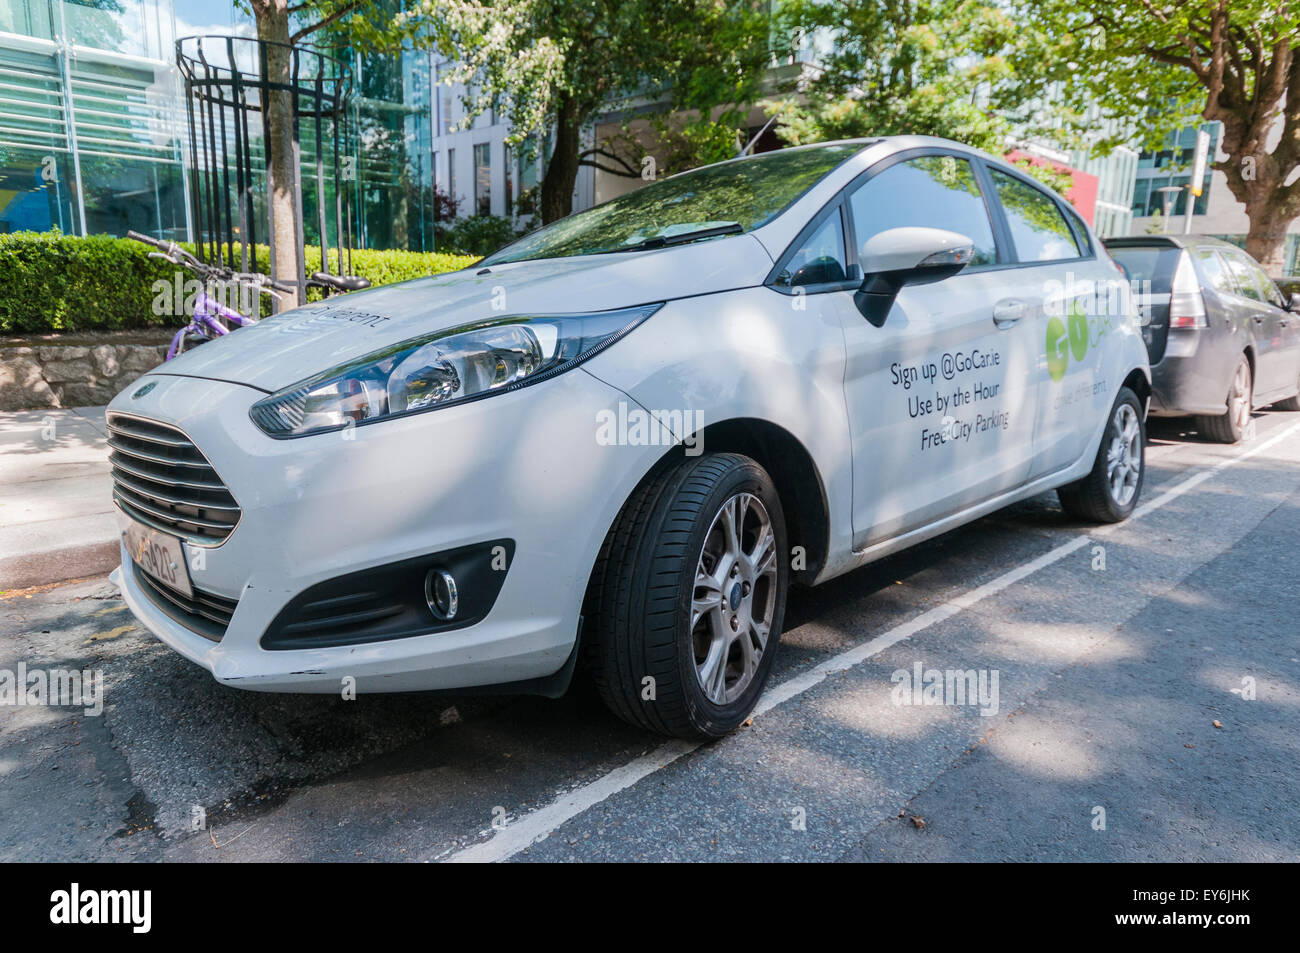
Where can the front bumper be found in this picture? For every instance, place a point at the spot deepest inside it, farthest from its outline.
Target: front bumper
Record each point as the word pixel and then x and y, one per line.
pixel 524 466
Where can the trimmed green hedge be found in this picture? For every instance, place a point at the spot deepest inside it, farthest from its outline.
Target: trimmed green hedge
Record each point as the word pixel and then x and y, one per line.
pixel 51 282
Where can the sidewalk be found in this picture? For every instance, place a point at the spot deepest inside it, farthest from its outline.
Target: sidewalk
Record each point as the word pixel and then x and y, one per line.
pixel 56 509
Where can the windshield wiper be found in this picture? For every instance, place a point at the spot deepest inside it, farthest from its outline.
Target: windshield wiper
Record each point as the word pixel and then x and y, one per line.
pixel 681 238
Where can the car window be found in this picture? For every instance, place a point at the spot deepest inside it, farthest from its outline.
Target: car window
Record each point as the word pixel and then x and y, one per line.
pixel 1215 271
pixel 1148 263
pixel 820 259
pixel 1080 229
pixel 1244 275
pixel 1267 287
pixel 930 191
pixel 742 194
pixel 1038 229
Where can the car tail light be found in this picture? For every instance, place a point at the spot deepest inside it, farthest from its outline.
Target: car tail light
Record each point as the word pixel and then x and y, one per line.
pixel 1186 303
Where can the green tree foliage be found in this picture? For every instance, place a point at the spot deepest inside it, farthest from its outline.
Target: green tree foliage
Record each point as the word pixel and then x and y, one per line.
pixel 959 69
pixel 556 64
pixel 1152 64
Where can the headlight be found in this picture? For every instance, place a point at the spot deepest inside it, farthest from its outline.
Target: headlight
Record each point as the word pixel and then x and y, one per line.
pixel 442 368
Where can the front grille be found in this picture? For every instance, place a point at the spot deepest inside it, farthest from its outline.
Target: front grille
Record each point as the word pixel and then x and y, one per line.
pixel 161 479
pixel 206 614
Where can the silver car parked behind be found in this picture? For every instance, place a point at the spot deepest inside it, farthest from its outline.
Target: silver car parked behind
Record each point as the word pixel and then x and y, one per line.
pixel 1221 336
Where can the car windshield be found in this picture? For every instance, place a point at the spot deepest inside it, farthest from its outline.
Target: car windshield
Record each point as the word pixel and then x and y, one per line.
pixel 704 203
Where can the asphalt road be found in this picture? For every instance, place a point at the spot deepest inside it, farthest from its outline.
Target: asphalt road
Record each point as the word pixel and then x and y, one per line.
pixel 1146 708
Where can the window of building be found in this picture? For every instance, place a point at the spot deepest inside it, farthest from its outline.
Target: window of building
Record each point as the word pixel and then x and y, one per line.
pixel 510 181
pixel 931 191
pixel 483 179
pixel 529 162
pixel 1038 229
pixel 451 177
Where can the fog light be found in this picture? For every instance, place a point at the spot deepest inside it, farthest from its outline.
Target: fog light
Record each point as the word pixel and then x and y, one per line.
pixel 440 593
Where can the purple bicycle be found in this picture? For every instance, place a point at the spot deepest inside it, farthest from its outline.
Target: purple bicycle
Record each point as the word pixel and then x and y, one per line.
pixel 211 318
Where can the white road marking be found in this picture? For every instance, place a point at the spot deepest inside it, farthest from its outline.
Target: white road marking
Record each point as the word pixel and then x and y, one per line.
pixel 537 825
pixel 1196 479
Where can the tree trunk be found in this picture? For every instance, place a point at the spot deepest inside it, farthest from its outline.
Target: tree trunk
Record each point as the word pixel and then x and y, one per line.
pixel 282 206
pixel 1266 240
pixel 562 169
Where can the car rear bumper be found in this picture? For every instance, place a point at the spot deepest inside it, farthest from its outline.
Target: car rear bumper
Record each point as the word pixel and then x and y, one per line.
pixel 1189 378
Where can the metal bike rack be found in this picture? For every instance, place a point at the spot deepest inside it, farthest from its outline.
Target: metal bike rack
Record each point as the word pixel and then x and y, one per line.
pixel 225 96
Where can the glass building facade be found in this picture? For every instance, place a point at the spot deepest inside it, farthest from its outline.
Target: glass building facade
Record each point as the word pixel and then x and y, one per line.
pixel 90 117
pixel 1116 178
pixel 1172 167
pixel 93 137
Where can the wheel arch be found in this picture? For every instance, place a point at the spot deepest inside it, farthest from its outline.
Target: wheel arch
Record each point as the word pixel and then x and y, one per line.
pixel 1138 382
pixel 792 468
pixel 798 482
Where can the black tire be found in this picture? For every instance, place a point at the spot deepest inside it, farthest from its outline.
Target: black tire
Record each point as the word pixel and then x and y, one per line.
pixel 638 609
pixel 1228 427
pixel 1092 498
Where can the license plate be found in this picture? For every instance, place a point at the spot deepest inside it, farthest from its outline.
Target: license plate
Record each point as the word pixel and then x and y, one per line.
pixel 157 554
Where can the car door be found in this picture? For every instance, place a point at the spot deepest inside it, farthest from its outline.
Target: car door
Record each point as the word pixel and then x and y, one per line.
pixel 1265 325
pixel 1288 323
pixel 940 397
pixel 1068 289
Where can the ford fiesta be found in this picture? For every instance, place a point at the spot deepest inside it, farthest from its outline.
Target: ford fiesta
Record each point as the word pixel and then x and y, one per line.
pixel 615 443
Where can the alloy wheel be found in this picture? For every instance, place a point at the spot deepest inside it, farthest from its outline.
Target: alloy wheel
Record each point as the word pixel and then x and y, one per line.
pixel 1239 397
pixel 1124 458
pixel 734 598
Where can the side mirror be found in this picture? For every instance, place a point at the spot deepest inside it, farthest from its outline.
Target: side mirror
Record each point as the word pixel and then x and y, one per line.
pixel 907 256
pixel 1293 302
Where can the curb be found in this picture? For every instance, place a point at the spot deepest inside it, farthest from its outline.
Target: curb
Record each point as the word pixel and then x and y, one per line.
pixel 59 565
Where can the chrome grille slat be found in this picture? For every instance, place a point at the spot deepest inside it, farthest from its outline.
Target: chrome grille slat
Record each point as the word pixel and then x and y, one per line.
pixel 168 516
pixel 147 493
pixel 163 480
pixel 150 437
pixel 120 447
pixel 138 471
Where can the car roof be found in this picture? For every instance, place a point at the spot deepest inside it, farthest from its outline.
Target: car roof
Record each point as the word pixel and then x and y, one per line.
pixel 899 143
pixel 1170 241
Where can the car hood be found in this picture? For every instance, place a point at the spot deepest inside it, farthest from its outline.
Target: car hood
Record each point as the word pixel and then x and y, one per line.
pixel 286 348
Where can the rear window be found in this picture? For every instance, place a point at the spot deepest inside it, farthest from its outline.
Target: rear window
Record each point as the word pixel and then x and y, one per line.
pixel 1153 263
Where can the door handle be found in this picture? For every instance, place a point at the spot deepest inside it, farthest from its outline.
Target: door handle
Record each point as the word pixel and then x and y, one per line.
pixel 1008 311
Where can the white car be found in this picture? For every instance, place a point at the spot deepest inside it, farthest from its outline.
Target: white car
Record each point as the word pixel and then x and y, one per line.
pixel 616 442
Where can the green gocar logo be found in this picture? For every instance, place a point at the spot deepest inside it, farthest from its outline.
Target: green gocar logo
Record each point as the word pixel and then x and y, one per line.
pixel 1066 338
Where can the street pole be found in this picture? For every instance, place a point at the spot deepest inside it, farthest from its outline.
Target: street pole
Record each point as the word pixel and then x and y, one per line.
pixel 1167 197
pixel 1198 176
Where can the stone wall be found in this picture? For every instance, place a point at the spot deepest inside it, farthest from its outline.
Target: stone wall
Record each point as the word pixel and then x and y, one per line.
pixel 81 371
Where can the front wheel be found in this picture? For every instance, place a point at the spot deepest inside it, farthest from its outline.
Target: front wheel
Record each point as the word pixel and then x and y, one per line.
pixel 687 598
pixel 1109 493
